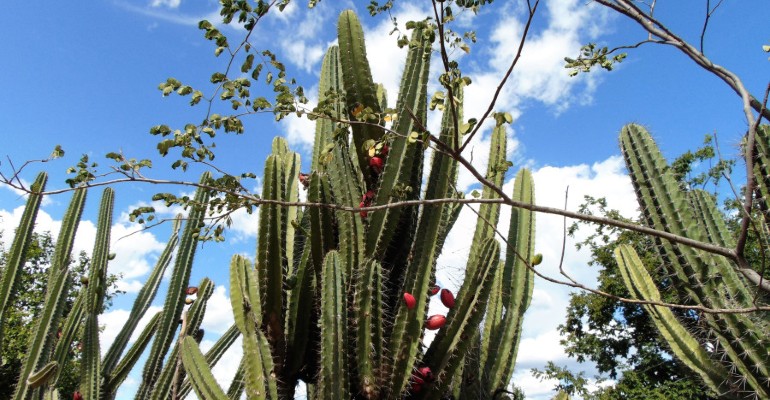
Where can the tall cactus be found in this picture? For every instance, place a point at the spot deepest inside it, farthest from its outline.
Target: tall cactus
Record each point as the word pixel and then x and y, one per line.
pixel 737 341
pixel 337 297
pixel 358 282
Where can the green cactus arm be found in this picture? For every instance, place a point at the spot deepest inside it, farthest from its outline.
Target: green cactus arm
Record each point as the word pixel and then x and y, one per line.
pixel 43 376
pixel 245 300
pixel 291 167
pixel 467 374
pixel 333 376
pixel 271 252
pixel 202 379
pixel 686 348
pixel 90 382
pixel 407 328
pixel 142 302
pixel 174 302
pixel 330 82
pixel 700 277
pixel 359 88
pixel 214 354
pixel 347 191
pixel 301 299
pixel 368 328
pixel 711 222
pixel 236 387
pixel 171 375
pixel 762 169
pixel 489 214
pixel 518 285
pixel 493 318
pixel 17 255
pixel 445 353
pixel 322 233
pixel 126 364
pixel 71 327
pixel 403 167
pixel 41 341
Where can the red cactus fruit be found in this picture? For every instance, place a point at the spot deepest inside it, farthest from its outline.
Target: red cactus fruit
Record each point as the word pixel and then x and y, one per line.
pixel 369 196
pixel 376 163
pixel 416 387
pixel 433 290
pixel 425 373
pixel 435 322
pixel 304 179
pixel 384 150
pixel 191 290
pixel 77 395
pixel 447 298
pixel 409 300
pixel 363 213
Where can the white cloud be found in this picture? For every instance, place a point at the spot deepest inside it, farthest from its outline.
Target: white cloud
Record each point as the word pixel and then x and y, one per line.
pixel 219 316
pixel 300 131
pixel 303 54
pixel 166 3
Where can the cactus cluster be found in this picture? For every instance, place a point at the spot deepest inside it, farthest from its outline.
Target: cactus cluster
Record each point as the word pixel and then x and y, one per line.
pixel 337 296
pixel 729 351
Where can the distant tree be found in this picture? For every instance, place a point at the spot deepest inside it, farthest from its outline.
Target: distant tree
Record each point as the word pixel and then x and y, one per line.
pixel 18 320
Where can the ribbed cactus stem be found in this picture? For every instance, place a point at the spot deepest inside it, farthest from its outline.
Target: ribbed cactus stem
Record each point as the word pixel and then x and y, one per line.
pixel 97 287
pixel 403 167
pixel 126 364
pixel 368 323
pixel 446 352
pixel 361 93
pixel 142 302
pixel 41 342
pixel 247 309
pixel 16 257
pixel 333 380
pixel 699 277
pixel 174 302
pixel 682 343
pixel 202 379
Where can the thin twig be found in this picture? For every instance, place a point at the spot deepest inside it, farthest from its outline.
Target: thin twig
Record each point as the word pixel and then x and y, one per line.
pixel 503 81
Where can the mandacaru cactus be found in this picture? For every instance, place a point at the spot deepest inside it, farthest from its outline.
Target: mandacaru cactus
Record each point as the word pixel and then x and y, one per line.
pixel 337 296
pixel 729 351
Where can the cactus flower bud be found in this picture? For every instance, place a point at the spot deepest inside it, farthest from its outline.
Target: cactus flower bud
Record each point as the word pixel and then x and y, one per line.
pixel 191 290
pixel 435 322
pixel 84 280
pixel 77 395
pixel 188 301
pixel 447 298
pixel 409 300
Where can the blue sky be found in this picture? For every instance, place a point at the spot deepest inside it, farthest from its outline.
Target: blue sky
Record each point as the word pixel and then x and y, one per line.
pixel 85 76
